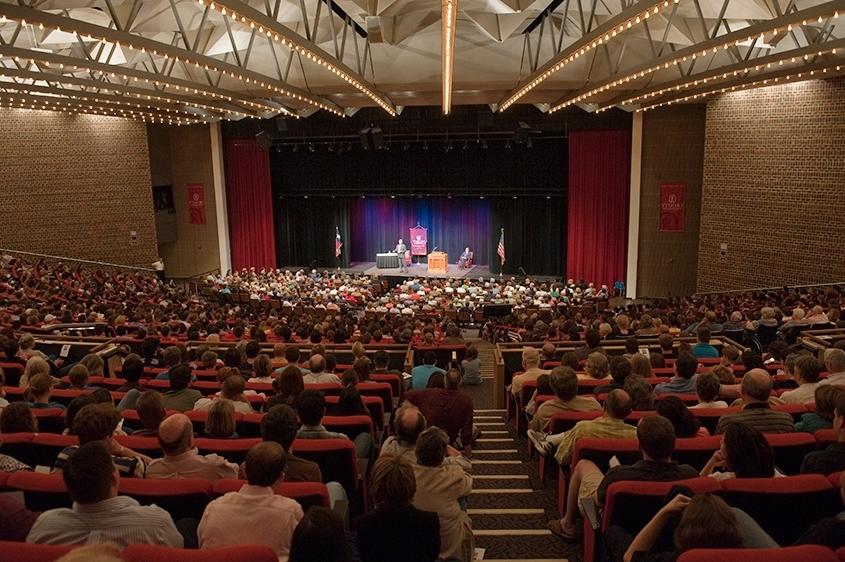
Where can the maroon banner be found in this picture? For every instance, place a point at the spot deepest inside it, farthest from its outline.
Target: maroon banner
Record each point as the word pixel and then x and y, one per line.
pixel 419 241
pixel 196 203
pixel 672 206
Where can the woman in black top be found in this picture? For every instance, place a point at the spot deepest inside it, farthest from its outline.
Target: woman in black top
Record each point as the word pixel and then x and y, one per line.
pixel 396 530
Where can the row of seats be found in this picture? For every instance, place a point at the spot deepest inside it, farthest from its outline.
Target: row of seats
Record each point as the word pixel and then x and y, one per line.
pixel 336 457
pixel 806 499
pixel 22 552
pixel 789 449
pixel 181 497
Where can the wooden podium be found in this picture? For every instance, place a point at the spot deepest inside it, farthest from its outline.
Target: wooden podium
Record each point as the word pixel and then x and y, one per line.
pixel 438 262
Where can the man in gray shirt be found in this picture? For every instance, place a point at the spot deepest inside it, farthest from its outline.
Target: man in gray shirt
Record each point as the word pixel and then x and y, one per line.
pixel 98 514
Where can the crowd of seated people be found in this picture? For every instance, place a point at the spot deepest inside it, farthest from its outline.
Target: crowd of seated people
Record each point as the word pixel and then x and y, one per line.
pixel 421 475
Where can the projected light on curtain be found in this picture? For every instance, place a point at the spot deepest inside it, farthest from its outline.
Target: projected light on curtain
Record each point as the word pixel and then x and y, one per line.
pixel 375 224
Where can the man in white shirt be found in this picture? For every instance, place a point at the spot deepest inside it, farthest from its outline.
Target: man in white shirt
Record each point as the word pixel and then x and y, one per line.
pixel 834 360
pixel 317 372
pixel 531 364
pixel 807 370
pixel 255 514
pixel 98 514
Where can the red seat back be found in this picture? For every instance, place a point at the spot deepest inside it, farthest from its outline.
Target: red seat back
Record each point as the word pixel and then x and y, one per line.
pixel 803 553
pixel 145 445
pixel 696 451
pixel 24 552
pixel 379 389
pixel 151 553
pixel 47 446
pixel 41 491
pixel 50 420
pixel 806 498
pixel 336 457
pixel 631 504
pixel 234 450
pixel 601 450
pixel 351 426
pixel 328 389
pixel 19 446
pixel 181 497
pixel 307 494
pixel 564 421
pixel 374 405
pixel 790 449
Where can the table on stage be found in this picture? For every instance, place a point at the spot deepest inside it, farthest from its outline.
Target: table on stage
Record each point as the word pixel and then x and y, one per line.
pixel 438 262
pixel 388 260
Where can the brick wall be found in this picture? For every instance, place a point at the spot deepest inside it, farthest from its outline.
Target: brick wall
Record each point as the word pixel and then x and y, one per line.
pixel 76 186
pixel 179 156
pixel 672 151
pixel 774 187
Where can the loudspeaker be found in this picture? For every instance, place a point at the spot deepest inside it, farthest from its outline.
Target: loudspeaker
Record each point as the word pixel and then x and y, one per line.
pixel 263 139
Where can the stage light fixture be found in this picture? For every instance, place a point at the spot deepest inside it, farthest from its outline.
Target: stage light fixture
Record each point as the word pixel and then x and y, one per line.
pixel 311 147
pixel 466 145
pixel 425 145
pixel 484 144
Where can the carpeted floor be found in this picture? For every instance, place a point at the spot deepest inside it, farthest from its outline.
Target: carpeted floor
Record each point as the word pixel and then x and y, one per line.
pixel 509 506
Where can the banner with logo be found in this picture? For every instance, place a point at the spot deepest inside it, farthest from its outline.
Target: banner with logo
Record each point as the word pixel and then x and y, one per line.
pixel 672 206
pixel 196 203
pixel 419 241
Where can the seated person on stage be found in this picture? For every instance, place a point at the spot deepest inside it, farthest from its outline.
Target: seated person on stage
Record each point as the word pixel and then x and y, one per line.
pixel 657 442
pixel 465 258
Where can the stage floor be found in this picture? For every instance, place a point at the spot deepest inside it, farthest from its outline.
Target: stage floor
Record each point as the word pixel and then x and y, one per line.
pixel 421 270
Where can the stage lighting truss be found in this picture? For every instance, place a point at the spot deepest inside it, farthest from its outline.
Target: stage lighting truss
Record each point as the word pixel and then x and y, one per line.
pixel 255 96
pixel 754 32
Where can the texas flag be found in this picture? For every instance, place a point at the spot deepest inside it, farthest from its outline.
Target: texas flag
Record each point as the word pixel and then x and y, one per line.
pixel 338 243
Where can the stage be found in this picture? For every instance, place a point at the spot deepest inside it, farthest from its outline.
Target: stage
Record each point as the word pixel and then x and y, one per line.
pixel 421 270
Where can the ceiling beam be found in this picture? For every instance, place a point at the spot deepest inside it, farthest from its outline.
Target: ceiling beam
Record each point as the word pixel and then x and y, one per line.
pixel 448 23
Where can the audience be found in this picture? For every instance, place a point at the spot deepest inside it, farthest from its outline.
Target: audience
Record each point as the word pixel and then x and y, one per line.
pixel 834 360
pixel 311 407
pixel 656 438
pixel 151 412
pixel 220 423
pixel 682 382
pixel 825 403
pixel 257 513
pixel 181 458
pixel 317 373
pixel 640 392
pixel 180 397
pixel 832 458
pixel 319 536
pixel 471 366
pixel 564 383
pixel 597 367
pixel 755 391
pixel 707 388
pixel 232 390
pixel 288 385
pixel 40 390
pixel 98 513
pixel 703 349
pixel 685 424
pixel 744 453
pixel 807 370
pixel 395 523
pixel 421 373
pixel 18 417
pixel 440 487
pixel 99 422
pixel 447 408
pixel 279 425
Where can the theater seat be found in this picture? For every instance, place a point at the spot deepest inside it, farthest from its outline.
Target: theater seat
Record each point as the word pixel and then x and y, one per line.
pixel 47 446
pixel 790 449
pixel 40 491
pixel 234 450
pixel 307 494
pixel 50 420
pixel 805 498
pixel 351 426
pixel 803 553
pixel 696 451
pixel 631 505
pixel 145 445
pixel 338 462
pixel 19 446
pixel 599 451
pixel 23 552
pixel 181 497
pixel 150 553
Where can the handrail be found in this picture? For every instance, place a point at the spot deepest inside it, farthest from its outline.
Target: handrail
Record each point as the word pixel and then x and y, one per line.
pixel 65 258
pixel 758 289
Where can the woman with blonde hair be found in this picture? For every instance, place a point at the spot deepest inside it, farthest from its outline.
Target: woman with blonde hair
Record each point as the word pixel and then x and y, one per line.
pixel 40 390
pixel 597 367
pixel 220 423
pixel 34 366
pixel 262 370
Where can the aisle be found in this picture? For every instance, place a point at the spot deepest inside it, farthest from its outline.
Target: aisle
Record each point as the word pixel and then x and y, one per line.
pixel 509 507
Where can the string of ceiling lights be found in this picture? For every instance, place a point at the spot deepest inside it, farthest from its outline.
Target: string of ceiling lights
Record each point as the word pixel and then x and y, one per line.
pixel 28 17
pixel 615 26
pixel 448 26
pixel 243 14
pixel 758 30
pixel 14 101
pixel 810 72
pixel 793 56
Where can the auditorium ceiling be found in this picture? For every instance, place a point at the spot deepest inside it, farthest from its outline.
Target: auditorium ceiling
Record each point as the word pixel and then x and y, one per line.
pixel 183 61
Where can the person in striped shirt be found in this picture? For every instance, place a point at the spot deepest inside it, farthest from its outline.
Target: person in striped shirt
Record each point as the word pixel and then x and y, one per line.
pixel 98 514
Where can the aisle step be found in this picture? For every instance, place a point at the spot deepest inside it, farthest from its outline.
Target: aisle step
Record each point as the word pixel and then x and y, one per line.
pixel 500 477
pixel 475 461
pixel 495 451
pixel 510 532
pixel 514 511
pixel 501 491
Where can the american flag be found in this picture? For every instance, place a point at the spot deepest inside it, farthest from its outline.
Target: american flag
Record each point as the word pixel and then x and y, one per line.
pixel 338 244
pixel 501 249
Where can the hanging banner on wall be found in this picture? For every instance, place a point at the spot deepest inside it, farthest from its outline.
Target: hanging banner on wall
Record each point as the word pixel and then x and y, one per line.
pixel 672 206
pixel 419 241
pixel 196 203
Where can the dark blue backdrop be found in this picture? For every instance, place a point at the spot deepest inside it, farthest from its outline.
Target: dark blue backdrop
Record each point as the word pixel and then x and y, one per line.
pixel 376 223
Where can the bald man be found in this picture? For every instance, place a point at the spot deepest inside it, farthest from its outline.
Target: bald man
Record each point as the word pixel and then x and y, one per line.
pixel 181 458
pixel 531 369
pixel 756 389
pixel 408 425
pixel 317 373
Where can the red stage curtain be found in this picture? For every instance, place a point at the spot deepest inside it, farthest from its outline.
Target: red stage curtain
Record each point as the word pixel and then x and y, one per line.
pixel 249 202
pixel 599 183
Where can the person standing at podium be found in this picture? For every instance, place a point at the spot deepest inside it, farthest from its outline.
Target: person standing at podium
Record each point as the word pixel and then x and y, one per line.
pixel 400 253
